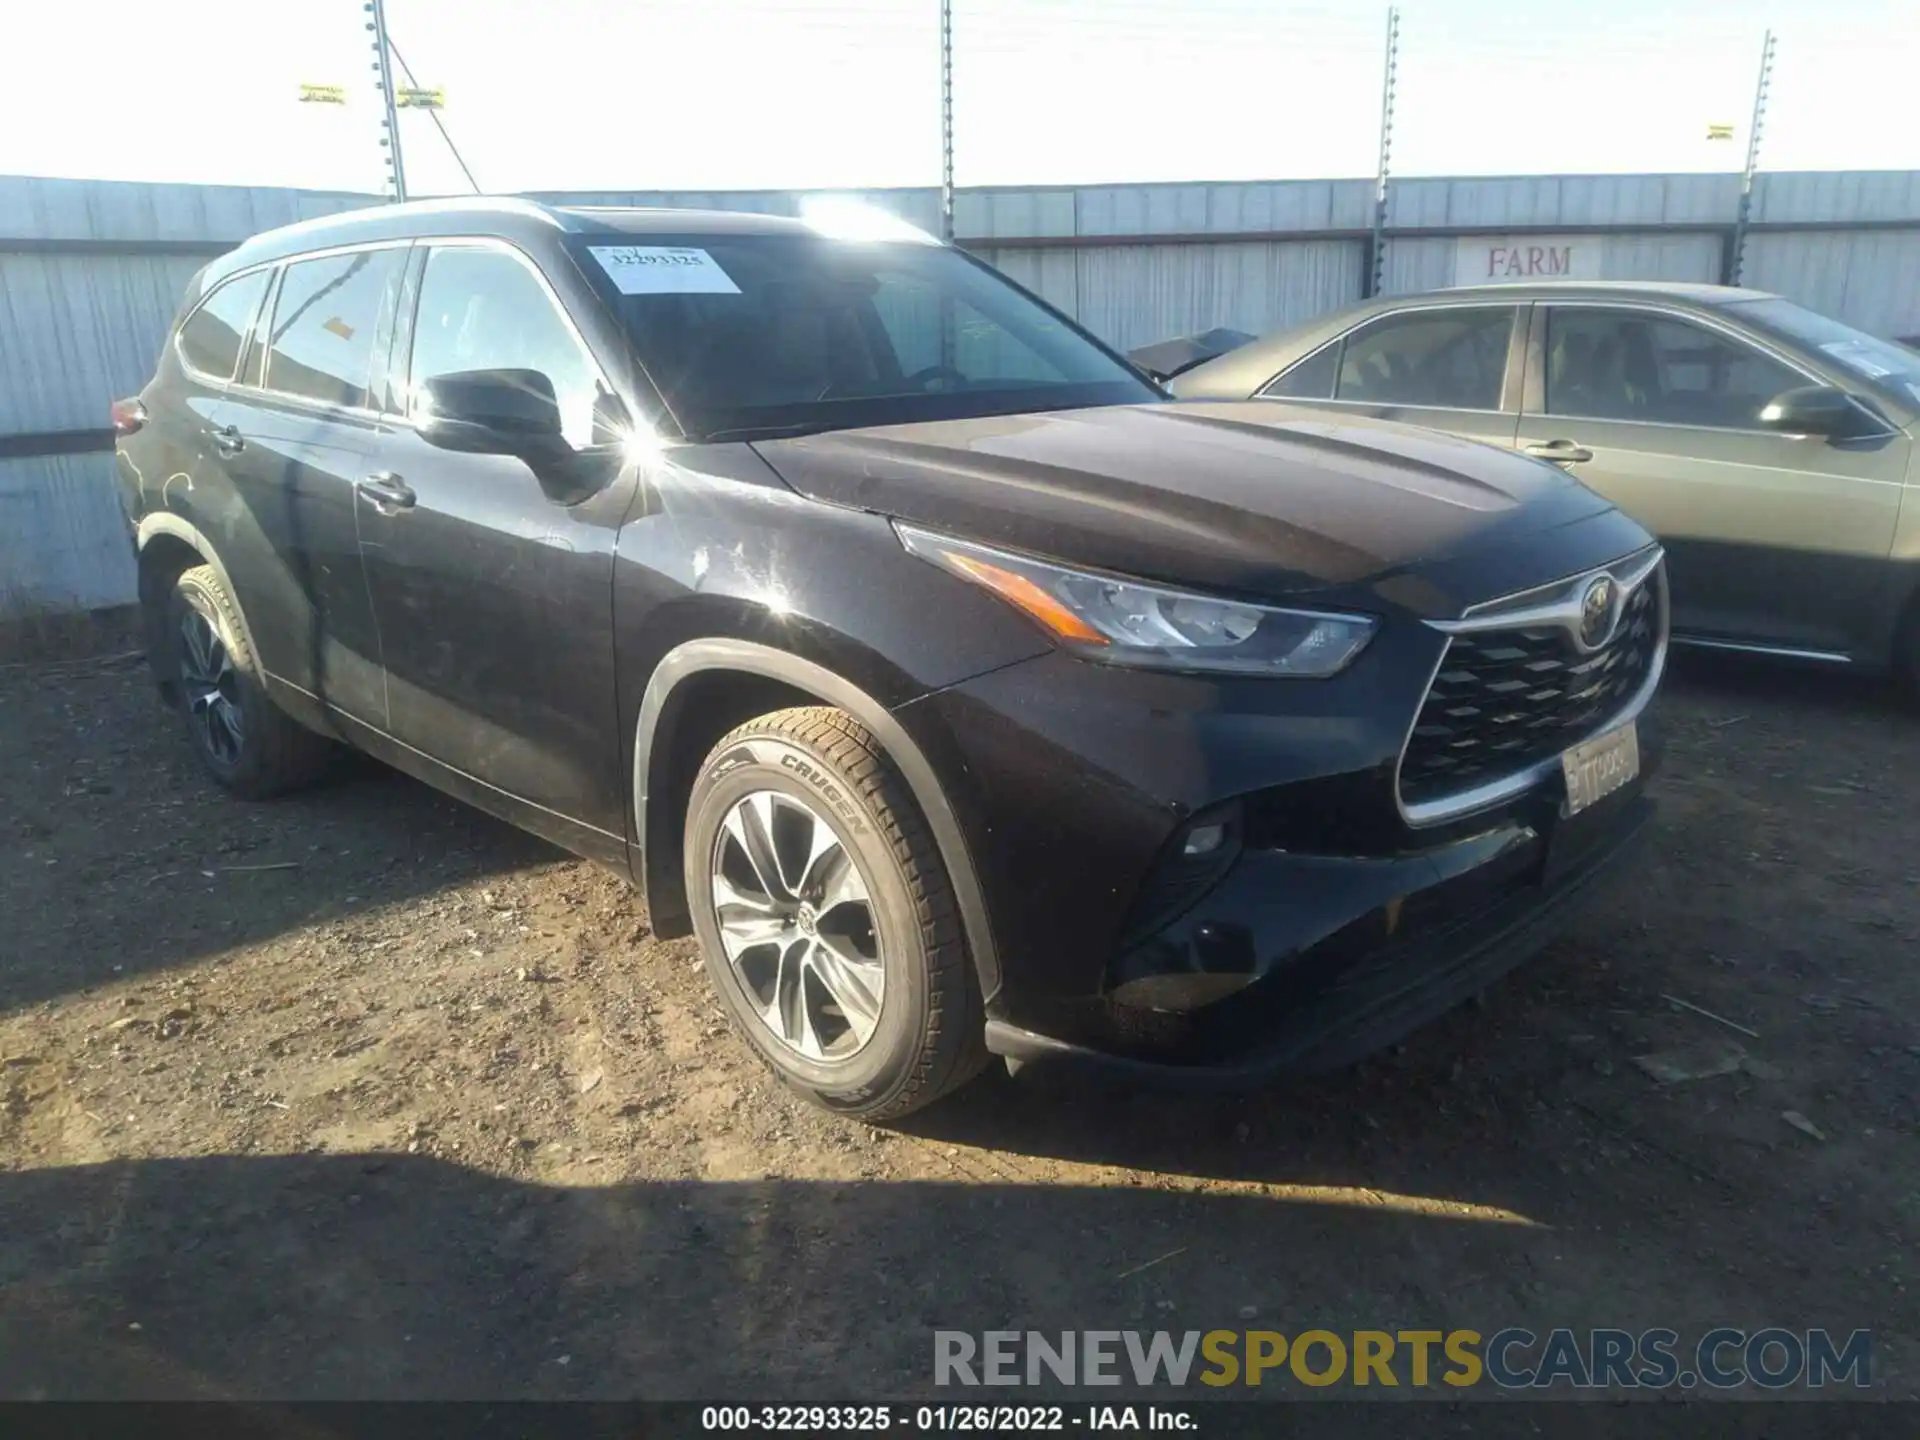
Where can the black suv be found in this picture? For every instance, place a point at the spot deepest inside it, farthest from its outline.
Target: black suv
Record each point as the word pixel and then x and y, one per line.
pixel 958 689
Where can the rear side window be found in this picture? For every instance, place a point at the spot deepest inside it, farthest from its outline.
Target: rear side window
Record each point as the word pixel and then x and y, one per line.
pixel 210 341
pixel 1311 379
pixel 321 341
pixel 1451 359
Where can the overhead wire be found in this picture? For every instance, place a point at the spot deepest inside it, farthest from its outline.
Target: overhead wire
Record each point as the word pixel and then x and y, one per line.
pixel 433 114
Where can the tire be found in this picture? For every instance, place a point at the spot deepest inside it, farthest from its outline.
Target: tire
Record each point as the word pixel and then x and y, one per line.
pixel 1906 659
pixel 922 1033
pixel 246 742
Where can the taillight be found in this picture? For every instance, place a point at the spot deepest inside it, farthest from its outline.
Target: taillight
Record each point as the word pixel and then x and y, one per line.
pixel 128 416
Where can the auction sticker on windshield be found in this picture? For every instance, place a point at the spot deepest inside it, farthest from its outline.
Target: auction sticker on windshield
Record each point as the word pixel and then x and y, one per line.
pixel 663 270
pixel 1601 766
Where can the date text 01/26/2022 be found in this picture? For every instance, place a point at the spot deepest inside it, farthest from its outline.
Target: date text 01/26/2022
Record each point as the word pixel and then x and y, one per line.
pixel 934 1419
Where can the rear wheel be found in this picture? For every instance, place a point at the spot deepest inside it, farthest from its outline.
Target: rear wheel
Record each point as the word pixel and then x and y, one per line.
pixel 244 740
pixel 827 920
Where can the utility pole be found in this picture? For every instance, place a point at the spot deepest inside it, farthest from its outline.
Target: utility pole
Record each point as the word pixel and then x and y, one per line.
pixel 1378 249
pixel 946 121
pixel 383 67
pixel 1738 254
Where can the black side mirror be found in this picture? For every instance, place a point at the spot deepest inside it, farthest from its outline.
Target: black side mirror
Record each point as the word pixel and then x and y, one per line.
pixel 492 412
pixel 1811 410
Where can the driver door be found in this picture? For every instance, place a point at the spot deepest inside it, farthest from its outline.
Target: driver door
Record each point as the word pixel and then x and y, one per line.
pixel 494 596
pixel 1774 540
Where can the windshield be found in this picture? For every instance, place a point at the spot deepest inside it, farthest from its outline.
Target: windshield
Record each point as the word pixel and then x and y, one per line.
pixel 1880 364
pixel 780 334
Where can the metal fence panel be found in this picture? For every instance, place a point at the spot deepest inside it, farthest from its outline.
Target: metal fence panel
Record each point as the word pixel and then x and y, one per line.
pixel 63 541
pixel 1518 202
pixel 1868 278
pixel 1661 257
pixel 1053 274
pixel 1415 265
pixel 1132 295
pixel 101 210
pixel 1850 195
pixel 79 331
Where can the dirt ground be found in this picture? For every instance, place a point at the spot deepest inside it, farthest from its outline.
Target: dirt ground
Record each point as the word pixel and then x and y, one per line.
pixel 363 1094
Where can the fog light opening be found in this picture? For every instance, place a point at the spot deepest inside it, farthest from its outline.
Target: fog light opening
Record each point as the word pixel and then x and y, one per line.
pixel 1204 840
pixel 1188 990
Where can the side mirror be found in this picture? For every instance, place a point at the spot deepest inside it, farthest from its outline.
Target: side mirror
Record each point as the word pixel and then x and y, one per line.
pixel 1810 410
pixel 491 412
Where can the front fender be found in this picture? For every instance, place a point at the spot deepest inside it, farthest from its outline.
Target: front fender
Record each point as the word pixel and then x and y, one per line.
pixel 654 743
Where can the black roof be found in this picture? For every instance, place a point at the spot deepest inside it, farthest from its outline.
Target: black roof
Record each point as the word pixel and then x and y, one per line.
pixel 508 218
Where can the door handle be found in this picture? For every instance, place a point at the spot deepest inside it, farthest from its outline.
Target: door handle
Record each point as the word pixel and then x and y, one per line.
pixel 227 440
pixel 1565 452
pixel 388 492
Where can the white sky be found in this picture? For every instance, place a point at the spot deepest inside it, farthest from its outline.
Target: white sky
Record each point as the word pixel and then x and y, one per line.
pixel 725 94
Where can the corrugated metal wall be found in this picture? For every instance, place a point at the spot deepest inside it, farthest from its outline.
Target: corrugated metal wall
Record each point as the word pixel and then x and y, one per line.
pixel 90 272
pixel 1132 295
pixel 63 544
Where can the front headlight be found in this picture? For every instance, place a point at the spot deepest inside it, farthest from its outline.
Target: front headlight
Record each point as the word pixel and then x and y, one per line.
pixel 1126 622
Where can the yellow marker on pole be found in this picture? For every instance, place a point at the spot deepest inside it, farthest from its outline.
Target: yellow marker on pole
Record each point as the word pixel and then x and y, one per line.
pixel 414 97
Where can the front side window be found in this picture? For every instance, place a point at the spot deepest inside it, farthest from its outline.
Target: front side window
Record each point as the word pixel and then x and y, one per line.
pixel 321 341
pixel 1452 359
pixel 210 341
pixel 483 309
pixel 1635 365
pixel 747 334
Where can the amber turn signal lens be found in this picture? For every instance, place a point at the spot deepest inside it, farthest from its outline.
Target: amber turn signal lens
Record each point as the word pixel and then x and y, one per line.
pixel 1018 590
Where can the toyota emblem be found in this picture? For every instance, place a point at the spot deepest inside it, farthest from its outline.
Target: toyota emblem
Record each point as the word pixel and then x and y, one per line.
pixel 1599 612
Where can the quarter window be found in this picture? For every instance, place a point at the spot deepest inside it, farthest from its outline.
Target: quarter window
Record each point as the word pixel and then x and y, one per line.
pixel 482 309
pixel 321 342
pixel 210 341
pixel 1452 359
pixel 1634 365
pixel 1311 379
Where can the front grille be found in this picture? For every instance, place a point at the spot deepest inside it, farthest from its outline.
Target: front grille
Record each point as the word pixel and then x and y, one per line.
pixel 1503 700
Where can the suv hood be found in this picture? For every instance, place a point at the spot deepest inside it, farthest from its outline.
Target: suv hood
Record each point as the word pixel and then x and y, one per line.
pixel 1235 496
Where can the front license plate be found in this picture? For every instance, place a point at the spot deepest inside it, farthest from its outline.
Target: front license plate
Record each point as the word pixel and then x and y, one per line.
pixel 1601 766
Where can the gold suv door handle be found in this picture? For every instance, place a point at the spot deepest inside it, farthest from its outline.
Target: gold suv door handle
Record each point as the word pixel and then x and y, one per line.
pixel 1564 452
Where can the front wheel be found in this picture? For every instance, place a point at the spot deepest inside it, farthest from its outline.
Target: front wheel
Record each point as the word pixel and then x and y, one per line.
pixel 826 917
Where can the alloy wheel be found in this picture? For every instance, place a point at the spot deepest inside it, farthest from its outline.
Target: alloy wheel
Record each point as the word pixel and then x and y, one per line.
pixel 797 924
pixel 212 688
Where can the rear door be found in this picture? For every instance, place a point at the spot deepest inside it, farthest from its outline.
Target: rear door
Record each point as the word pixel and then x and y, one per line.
pixel 172 461
pixel 1774 540
pixel 298 428
pixel 1448 367
pixel 493 585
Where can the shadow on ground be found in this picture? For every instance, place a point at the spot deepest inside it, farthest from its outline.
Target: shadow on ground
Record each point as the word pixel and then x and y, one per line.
pixel 396 1277
pixel 118 857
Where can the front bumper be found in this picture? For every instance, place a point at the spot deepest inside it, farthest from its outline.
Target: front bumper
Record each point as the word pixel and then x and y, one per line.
pixel 1331 927
pixel 1409 955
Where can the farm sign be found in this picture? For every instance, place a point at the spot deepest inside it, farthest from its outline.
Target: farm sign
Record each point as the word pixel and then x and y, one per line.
pixel 1497 259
